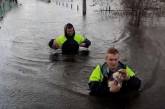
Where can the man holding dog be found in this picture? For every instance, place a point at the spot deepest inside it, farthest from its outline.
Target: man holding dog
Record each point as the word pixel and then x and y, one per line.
pixel 102 80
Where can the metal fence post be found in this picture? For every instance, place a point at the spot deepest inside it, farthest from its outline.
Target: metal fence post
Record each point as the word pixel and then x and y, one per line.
pixel 84 7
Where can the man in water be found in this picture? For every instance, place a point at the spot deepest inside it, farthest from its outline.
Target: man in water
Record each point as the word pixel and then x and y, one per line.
pixel 101 81
pixel 70 41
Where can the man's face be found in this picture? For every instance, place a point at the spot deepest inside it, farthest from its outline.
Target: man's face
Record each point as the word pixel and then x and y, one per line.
pixel 70 31
pixel 112 60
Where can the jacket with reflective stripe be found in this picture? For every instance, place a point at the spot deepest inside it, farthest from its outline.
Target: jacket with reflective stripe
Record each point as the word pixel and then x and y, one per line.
pixel 98 74
pixel 61 39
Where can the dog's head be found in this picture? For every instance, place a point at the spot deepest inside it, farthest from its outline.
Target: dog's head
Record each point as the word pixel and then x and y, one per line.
pixel 120 75
pixel 123 73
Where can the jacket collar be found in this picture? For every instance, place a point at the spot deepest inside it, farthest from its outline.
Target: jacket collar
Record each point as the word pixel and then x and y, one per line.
pixel 108 72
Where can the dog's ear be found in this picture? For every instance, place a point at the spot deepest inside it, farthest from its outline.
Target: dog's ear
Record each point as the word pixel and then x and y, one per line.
pixel 122 71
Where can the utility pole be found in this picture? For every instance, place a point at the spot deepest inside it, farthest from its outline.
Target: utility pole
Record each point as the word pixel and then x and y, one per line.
pixel 84 7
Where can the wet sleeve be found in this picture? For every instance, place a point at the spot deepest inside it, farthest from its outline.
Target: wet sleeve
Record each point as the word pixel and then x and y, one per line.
pixel 87 43
pixel 50 44
pixel 96 84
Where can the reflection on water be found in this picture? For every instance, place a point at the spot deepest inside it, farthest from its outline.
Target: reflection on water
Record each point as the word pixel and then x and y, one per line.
pixel 70 58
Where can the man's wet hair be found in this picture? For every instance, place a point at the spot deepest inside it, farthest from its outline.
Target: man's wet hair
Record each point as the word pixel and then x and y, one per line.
pixel 112 50
pixel 68 25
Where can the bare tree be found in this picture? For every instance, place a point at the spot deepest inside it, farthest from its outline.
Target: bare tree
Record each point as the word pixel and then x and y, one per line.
pixel 140 9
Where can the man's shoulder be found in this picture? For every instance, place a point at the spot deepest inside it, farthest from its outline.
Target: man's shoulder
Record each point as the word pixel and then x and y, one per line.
pixel 59 36
pixel 79 35
pixel 98 66
pixel 101 65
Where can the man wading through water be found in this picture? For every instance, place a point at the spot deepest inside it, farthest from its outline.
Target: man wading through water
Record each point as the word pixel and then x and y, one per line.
pixel 70 41
pixel 102 81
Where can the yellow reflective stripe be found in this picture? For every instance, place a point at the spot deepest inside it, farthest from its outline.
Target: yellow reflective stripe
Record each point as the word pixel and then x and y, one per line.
pixel 79 38
pixel 96 74
pixel 130 72
pixel 60 40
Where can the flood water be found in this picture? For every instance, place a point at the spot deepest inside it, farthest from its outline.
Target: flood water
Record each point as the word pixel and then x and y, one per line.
pixel 33 76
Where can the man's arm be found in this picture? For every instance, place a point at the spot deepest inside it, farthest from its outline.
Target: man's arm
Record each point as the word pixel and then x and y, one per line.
pixel 96 84
pixel 86 43
pixel 52 44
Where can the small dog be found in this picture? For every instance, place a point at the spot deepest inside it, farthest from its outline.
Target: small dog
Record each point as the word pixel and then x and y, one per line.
pixel 115 83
